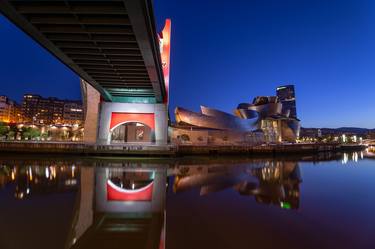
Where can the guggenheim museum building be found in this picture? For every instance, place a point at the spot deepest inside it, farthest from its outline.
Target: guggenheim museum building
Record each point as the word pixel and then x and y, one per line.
pixel 268 119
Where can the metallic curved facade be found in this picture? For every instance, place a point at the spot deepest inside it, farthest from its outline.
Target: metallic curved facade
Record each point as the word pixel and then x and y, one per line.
pixel 273 119
pixel 213 119
pixel 266 113
pixel 290 129
pixel 262 106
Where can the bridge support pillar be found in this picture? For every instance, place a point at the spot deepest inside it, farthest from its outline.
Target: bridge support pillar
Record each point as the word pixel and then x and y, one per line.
pixel 114 114
pixel 91 100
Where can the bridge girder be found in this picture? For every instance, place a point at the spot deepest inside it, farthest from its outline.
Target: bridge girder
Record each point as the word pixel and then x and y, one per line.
pixel 111 44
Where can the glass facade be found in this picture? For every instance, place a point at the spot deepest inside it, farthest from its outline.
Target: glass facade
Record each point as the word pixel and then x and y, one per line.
pixel 287 97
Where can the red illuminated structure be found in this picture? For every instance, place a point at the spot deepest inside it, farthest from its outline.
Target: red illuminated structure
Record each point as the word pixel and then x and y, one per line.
pixel 165 50
pixel 115 193
pixel 118 118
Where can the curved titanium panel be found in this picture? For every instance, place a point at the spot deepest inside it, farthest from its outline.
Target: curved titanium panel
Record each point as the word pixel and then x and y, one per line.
pixel 215 113
pixel 290 129
pixel 242 111
pixel 265 110
pixel 218 120
pixel 246 111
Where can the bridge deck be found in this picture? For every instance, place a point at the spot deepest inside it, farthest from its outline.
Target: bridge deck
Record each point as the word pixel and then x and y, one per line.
pixel 111 44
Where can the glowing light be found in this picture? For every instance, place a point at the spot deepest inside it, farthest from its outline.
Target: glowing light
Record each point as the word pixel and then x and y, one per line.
pixel 30 174
pixel 47 173
pixel 53 172
pixel 345 158
pixel 280 88
pixel 355 157
pixel 344 138
pixel 73 170
pixel 75 110
pixel 285 205
pixel 70 182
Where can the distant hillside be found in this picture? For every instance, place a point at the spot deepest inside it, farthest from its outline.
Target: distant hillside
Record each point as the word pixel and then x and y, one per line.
pixel 354 130
pixel 335 131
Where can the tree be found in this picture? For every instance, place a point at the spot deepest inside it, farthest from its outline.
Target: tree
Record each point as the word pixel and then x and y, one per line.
pixel 34 133
pixel 44 135
pixel 29 133
pixel 13 131
pixel 3 129
pixel 24 133
pixel 11 135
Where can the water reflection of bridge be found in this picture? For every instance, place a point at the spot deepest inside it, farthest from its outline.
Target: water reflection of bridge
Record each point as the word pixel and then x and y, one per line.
pixel 117 207
pixel 126 206
pixel 124 202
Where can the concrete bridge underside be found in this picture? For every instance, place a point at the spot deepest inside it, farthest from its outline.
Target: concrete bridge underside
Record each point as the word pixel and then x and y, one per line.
pixel 113 47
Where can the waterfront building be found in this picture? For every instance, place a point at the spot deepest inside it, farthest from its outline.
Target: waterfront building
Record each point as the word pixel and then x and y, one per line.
pixel 73 112
pixel 287 97
pixel 265 120
pixel 272 118
pixel 10 111
pixel 39 110
pixel 212 126
pixel 30 107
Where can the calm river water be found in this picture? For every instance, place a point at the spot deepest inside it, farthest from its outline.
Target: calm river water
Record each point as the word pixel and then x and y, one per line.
pixel 324 201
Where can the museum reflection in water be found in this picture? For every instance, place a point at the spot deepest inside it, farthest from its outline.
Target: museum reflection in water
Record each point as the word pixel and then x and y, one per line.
pixel 126 204
pixel 270 182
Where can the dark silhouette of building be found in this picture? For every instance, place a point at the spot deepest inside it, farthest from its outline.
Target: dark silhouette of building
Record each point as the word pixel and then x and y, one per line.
pixel 287 97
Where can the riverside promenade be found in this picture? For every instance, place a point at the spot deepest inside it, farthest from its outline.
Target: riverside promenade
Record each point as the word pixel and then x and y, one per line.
pixel 168 150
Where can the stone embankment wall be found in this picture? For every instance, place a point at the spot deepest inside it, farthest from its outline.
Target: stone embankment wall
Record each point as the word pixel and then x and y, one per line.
pixel 169 150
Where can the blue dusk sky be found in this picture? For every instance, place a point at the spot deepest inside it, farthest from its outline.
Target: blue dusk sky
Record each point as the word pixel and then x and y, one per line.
pixel 227 52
